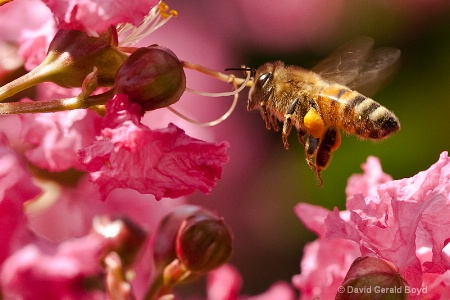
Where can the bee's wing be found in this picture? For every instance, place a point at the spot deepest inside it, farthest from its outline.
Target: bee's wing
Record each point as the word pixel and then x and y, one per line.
pixel 378 68
pixel 344 65
pixel 359 67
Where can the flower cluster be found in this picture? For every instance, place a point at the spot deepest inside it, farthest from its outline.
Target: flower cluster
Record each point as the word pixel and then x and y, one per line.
pixel 57 167
pixel 83 178
pixel 403 222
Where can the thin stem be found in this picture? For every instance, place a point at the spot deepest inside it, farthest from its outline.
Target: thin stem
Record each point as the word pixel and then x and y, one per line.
pixel 54 105
pixel 35 76
pixel 210 123
pixel 216 74
pixel 235 93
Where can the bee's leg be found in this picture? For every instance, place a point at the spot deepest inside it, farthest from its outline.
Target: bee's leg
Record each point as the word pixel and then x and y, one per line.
pixel 287 125
pixel 274 123
pixel 311 145
pixel 301 134
pixel 265 114
pixel 330 142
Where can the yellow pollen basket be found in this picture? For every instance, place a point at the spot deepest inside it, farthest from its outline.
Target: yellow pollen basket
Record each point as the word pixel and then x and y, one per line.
pixel 314 123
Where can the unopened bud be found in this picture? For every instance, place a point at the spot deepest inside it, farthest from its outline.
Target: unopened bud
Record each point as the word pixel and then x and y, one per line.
pixel 124 237
pixel 153 77
pixel 372 278
pixel 164 248
pixel 73 54
pixel 204 243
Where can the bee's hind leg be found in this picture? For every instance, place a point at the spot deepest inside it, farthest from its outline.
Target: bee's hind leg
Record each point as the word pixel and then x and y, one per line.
pixel 287 125
pixel 312 146
pixel 329 143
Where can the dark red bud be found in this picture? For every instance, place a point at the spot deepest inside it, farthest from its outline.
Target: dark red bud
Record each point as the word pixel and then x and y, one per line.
pixel 165 239
pixel 373 278
pixel 204 243
pixel 152 77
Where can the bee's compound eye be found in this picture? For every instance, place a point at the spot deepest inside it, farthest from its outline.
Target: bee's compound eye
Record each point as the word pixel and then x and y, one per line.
pixel 262 79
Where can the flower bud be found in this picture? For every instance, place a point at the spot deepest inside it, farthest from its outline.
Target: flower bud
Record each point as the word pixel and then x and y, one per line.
pixel 165 239
pixel 372 278
pixel 152 77
pixel 124 237
pixel 204 243
pixel 73 54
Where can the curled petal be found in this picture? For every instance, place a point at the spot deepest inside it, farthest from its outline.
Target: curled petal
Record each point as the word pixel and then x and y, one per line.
pixel 97 16
pixel 164 162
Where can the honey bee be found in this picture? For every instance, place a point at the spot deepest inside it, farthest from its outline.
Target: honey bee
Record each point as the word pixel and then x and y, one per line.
pixel 322 102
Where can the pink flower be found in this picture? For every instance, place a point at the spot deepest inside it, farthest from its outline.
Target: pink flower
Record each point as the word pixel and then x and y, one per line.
pixel 325 262
pixel 367 183
pixel 164 162
pixel 16 187
pixel 400 218
pixel 98 15
pixel 403 221
pixel 18 17
pixel 60 273
pixel 225 284
pixel 54 139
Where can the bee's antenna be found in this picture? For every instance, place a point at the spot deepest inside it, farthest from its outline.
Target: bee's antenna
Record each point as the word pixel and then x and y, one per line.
pixel 246 69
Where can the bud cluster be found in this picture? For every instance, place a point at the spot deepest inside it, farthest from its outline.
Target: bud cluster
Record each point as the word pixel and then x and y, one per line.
pixel 151 76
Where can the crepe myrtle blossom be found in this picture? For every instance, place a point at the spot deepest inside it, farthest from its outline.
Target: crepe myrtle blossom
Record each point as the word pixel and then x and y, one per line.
pixel 103 69
pixel 165 162
pixel 403 222
pixel 97 264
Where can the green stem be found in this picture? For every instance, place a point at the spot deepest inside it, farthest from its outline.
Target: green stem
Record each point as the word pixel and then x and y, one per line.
pixel 38 75
pixel 54 105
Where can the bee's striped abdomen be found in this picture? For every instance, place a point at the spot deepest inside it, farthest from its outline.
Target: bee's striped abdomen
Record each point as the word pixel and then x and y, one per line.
pixel 355 113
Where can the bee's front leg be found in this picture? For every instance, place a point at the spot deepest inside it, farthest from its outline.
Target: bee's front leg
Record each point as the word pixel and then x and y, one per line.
pixel 287 125
pixel 265 114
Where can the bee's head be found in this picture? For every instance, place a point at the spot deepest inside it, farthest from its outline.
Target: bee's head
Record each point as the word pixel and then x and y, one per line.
pixel 262 85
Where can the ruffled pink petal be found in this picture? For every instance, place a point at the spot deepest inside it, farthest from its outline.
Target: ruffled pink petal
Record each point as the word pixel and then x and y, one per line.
pixel 164 162
pixel 366 183
pixel 313 217
pixel 16 187
pixel 401 219
pixel 30 273
pixel 54 139
pixel 324 264
pixel 98 15
pixel 224 283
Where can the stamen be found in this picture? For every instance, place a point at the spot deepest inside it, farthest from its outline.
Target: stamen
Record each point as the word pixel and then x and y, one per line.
pixel 223 94
pixel 157 17
pixel 217 75
pixel 225 116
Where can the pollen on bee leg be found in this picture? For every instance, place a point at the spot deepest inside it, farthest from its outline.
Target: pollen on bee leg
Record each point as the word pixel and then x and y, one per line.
pixel 313 123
